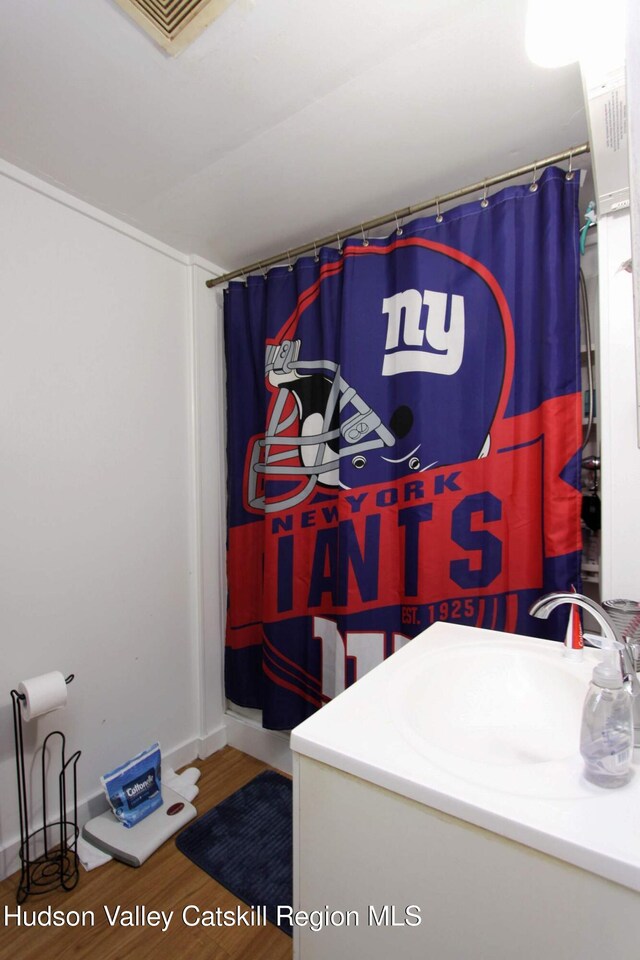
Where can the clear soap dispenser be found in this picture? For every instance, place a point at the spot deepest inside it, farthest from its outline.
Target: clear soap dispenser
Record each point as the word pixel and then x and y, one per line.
pixel 606 737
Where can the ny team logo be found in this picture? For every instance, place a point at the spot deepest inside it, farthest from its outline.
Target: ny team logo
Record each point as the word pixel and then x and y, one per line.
pixel 434 344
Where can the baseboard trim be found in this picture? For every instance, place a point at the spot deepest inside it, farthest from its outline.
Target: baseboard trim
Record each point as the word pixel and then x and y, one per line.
pixel 270 746
pixel 213 742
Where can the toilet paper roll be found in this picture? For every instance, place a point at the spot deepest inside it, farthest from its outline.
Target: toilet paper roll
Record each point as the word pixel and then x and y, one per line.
pixel 43 694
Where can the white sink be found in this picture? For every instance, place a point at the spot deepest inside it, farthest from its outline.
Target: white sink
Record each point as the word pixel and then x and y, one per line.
pixel 484 727
pixel 503 713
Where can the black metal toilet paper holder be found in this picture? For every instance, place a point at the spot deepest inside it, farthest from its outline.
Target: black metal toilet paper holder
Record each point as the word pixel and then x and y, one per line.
pixel 57 865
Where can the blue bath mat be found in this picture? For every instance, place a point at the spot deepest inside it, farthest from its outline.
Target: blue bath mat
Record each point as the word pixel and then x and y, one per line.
pixel 245 843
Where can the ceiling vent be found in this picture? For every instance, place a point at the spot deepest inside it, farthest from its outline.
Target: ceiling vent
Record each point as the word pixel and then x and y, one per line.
pixel 174 24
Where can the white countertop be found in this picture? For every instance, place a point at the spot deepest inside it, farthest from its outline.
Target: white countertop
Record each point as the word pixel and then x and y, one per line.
pixel 359 732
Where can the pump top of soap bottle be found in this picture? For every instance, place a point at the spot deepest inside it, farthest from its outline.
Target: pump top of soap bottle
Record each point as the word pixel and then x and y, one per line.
pixel 608 673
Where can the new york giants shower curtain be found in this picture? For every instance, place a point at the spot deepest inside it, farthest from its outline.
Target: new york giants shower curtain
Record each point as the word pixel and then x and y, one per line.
pixel 404 432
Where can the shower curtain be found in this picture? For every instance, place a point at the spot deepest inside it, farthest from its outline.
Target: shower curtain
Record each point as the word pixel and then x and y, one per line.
pixel 404 432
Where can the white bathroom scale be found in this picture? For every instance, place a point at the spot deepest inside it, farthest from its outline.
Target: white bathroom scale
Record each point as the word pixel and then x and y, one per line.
pixel 134 845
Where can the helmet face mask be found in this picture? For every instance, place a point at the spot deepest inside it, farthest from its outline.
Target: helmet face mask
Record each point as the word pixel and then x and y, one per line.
pixel 305 442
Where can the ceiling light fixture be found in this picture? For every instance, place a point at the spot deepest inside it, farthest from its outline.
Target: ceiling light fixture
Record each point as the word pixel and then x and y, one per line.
pixel 560 32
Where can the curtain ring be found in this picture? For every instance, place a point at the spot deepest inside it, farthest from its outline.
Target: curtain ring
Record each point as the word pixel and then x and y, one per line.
pixel 315 252
pixel 262 270
pixel 534 183
pixel 244 279
pixel 484 202
pixel 339 243
pixel 569 174
pixel 399 230
pixel 365 242
pixel 289 259
pixel 438 214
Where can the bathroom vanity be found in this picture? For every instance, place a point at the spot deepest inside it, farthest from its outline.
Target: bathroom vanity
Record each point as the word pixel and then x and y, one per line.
pixel 440 811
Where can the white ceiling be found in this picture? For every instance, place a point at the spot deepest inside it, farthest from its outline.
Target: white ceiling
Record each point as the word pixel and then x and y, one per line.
pixel 287 118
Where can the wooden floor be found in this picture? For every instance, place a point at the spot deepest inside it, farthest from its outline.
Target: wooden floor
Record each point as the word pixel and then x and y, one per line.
pixel 167 881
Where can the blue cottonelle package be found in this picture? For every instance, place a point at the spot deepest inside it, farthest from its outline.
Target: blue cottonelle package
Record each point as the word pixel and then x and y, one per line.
pixel 134 789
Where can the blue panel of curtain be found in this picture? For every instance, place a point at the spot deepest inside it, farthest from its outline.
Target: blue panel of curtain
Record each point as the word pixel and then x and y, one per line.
pixel 404 432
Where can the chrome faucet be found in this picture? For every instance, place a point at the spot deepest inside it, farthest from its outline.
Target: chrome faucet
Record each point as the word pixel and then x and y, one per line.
pixel 543 607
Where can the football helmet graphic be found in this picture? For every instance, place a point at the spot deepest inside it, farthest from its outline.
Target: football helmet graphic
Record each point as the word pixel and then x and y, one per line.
pixel 418 385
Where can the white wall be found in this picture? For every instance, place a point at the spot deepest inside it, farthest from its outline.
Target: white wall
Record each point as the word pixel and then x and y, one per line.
pixel 100 567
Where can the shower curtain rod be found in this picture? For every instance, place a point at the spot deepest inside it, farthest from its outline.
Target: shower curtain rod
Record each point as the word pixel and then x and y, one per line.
pixel 341 235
